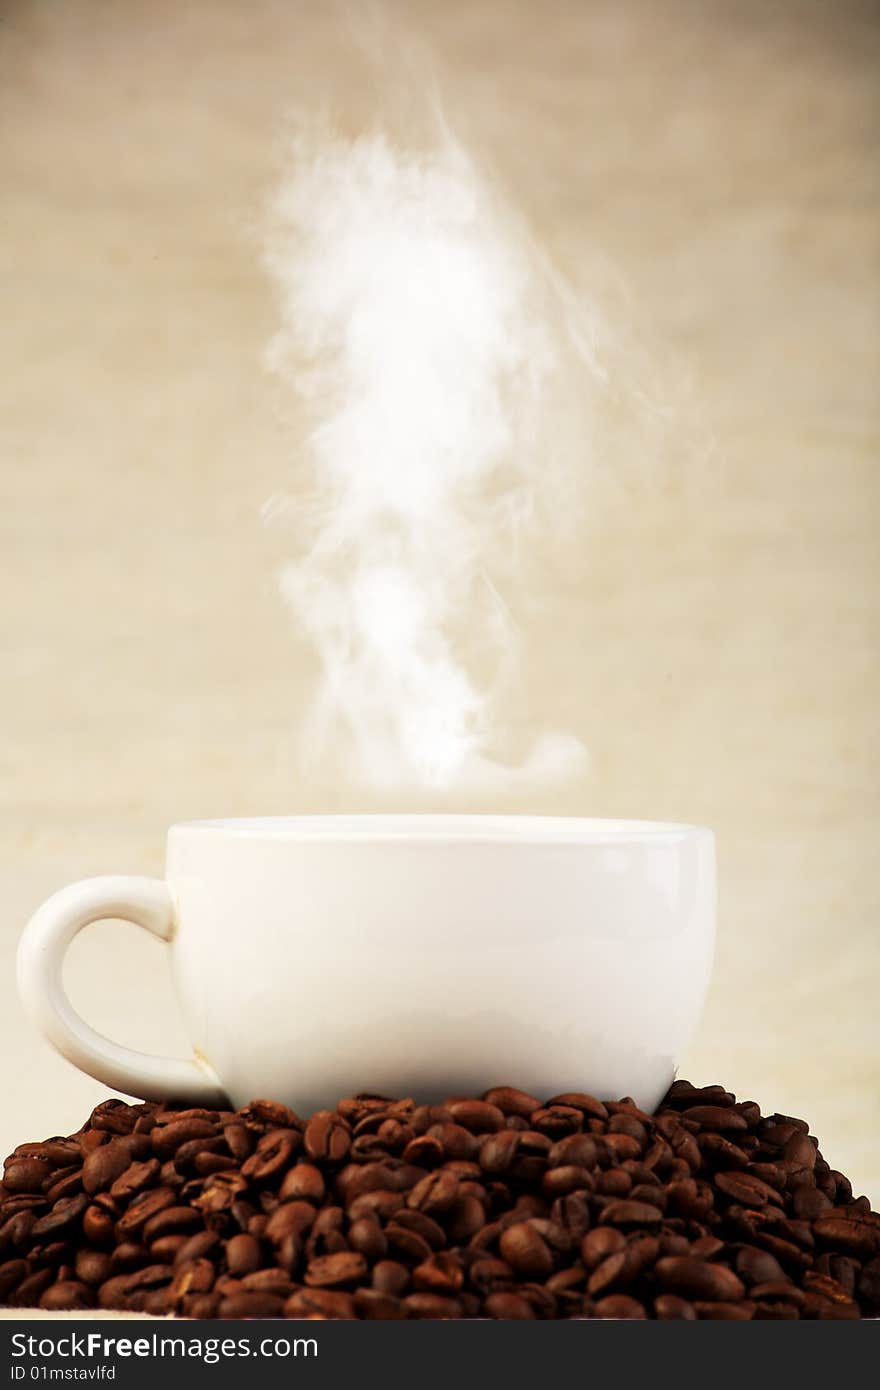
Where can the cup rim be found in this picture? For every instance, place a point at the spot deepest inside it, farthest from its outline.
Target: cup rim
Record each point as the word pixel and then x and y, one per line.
pixel 422 827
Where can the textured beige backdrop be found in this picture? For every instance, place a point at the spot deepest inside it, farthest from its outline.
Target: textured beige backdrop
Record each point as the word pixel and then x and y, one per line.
pixel 709 169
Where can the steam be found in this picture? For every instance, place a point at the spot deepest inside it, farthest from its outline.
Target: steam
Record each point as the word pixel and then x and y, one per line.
pixel 430 343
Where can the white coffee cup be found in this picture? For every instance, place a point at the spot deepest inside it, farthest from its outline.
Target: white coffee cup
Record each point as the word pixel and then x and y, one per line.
pixel 320 956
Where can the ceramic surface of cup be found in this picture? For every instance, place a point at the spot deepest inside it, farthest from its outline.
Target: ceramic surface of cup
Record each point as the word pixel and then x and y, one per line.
pixel 422 955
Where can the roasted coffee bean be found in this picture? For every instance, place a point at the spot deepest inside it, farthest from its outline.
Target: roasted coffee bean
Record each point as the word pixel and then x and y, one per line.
pixel 143 1208
pixel 629 1215
pixel 526 1251
pixel 746 1189
pixel 250 1305
pixel 575 1150
pixel 220 1192
pixel 406 1244
pixel 498 1151
pixel 391 1277
pixel 170 1221
pixel 243 1254
pixel 195 1247
pixel 318 1304
pixel 613 1182
pixel 512 1102
pixel 722 1153
pixel 346 1267
pixel 435 1193
pixel 455 1140
pixel 558 1182
pixel 25 1174
pixel 479 1116
pixel 670 1308
pixel 103 1166
pixel 432 1305
pixel 509 1306
pixel 137 1177
pixel 424 1225
pixel 501 1206
pixel 167 1139
pixel 67 1295
pixel 304 1181
pixel 291 1218
pixel 619 1306
pixel 842 1229
pixel 464 1218
pixel 724 1312
pixel 272 1155
pixel 327 1137
pixel 693 1278
pixel 194 1276
pixel 65 1217
pixel 719 1119
pixel 92 1266
pixel 442 1273
pixel 11 1275
pixel 599 1243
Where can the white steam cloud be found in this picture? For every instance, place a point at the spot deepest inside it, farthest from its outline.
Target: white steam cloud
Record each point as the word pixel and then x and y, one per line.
pixel 430 344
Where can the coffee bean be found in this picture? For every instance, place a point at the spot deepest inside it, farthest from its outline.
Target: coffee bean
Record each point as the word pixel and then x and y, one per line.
pixel 135 1178
pixel 251 1305
pixel 512 1102
pixel 166 1139
pixel 66 1296
pixel 630 1214
pixel 272 1155
pixel 724 1312
pixel 346 1267
pixel 670 1308
pixel 435 1193
pixel 103 1166
pixel 145 1206
pixel 195 1247
pixel 526 1251
pixel 304 1181
pixel 291 1218
pixel 745 1188
pixel 619 1306
pixel 509 1306
pixel 12 1272
pixel 466 1216
pixel 423 1225
pixel 269 1114
pixel 694 1279
pixel 92 1266
pixel 193 1276
pixel 432 1305
pixel 327 1137
pixel 455 1140
pixel 169 1221
pixel 849 1232
pixel 479 1116
pixel 499 1206
pixel 63 1219
pixel 614 1182
pixel 718 1118
pixel 498 1151
pixel 575 1150
pixel 442 1273
pixel 25 1174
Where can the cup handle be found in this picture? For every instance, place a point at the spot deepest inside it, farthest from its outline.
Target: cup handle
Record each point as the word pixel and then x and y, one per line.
pixel 147 903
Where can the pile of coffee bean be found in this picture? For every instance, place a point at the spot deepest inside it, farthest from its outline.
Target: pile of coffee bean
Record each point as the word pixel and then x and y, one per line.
pixel 502 1207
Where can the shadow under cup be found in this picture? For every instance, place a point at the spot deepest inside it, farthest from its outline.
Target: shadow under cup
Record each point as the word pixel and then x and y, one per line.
pixel 317 957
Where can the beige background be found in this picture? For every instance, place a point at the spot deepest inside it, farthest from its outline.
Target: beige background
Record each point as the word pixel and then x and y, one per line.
pixel 709 171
